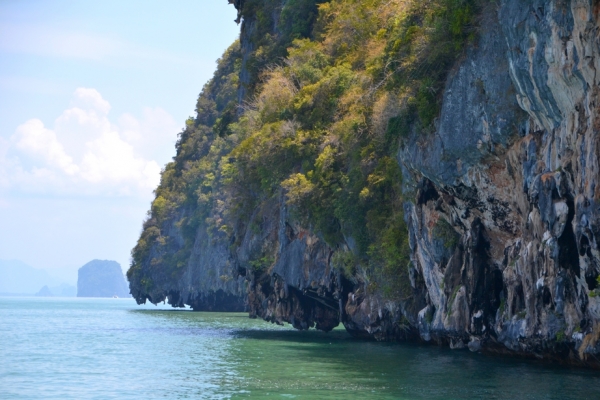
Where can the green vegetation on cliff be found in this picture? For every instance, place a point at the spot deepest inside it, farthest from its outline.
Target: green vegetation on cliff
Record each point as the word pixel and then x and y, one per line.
pixel 330 90
pixel 184 198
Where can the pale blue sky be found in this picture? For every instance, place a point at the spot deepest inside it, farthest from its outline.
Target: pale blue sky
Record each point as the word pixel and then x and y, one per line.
pixel 92 96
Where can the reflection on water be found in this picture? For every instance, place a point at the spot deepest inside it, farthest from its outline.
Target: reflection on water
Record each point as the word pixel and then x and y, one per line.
pixel 336 366
pixel 105 348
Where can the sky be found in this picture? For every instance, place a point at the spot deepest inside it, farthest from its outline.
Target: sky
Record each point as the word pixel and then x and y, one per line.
pixel 92 97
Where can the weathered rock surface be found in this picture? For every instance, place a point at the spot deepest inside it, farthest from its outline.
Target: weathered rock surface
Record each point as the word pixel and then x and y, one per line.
pixel 101 278
pixel 503 217
pixel 513 169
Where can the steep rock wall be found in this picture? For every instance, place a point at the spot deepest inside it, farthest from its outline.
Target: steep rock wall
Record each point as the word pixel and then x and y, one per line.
pixel 184 255
pixel 518 188
pixel 501 206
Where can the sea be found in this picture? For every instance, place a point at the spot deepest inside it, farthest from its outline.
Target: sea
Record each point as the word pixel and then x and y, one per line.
pixel 87 348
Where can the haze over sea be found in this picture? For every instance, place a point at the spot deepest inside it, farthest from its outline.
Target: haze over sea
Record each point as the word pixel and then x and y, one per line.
pixel 85 348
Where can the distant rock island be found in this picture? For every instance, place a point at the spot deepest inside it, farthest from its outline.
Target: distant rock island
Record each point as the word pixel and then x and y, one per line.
pixel 20 279
pixel 44 292
pixel 62 290
pixel 101 278
pixel 16 277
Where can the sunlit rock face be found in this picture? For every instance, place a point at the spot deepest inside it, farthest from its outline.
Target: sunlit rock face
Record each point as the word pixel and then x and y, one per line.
pixel 502 208
pixel 514 170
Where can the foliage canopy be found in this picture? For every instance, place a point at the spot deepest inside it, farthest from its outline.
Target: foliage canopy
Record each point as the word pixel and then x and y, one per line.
pixel 328 97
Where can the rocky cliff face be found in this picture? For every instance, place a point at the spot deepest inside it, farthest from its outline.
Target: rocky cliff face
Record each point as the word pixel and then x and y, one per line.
pixel 502 207
pixel 517 184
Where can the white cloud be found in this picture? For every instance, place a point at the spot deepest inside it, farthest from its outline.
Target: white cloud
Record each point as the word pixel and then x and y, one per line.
pixel 155 127
pixel 91 100
pixel 84 153
pixel 34 139
pixel 111 159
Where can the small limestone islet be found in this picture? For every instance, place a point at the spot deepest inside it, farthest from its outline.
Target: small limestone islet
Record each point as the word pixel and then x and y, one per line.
pixel 101 278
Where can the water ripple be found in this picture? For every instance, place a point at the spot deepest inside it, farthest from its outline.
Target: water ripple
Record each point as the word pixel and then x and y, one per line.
pixel 105 349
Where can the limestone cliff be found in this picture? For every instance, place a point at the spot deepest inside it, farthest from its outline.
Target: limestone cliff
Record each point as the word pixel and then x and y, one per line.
pixel 500 197
pixel 101 278
pixel 513 169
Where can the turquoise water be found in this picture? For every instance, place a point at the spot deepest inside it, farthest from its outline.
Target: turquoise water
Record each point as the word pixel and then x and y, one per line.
pixel 111 348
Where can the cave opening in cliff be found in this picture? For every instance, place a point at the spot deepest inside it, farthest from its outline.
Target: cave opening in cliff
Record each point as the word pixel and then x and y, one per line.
pixel 591 278
pixel 518 300
pixel 547 298
pixel 312 308
pixel 487 280
pixel 568 255
pixel 497 285
pixel 584 246
pixel 426 192
pixel 266 288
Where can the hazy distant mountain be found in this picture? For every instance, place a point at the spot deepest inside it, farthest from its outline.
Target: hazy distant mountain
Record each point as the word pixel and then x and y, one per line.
pixel 101 278
pixel 62 290
pixel 19 278
pixel 44 292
